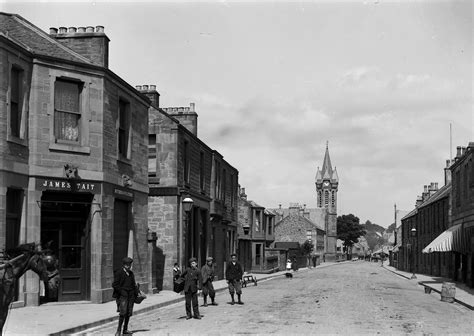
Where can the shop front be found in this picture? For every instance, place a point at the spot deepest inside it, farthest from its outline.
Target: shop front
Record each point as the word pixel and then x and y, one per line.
pixel 65 212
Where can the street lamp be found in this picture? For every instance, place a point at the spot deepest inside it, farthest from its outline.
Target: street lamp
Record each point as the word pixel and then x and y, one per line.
pixel 187 206
pixel 413 235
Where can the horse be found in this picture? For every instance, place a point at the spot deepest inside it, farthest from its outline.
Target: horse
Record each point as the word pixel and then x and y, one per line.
pixel 19 259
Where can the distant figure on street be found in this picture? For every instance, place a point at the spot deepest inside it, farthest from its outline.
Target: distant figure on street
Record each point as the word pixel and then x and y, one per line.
pixel 125 292
pixel 314 260
pixel 207 272
pixel 192 283
pixel 233 275
pixel 176 271
pixel 288 273
pixel 294 264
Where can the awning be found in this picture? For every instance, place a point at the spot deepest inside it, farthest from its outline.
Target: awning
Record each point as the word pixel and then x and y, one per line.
pixel 446 241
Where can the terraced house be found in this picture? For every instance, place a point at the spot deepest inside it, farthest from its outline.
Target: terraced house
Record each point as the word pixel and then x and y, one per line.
pixel 193 194
pixel 73 158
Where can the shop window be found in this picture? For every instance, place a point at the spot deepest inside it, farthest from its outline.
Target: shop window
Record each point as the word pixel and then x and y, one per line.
pixel 67 111
pixel 124 129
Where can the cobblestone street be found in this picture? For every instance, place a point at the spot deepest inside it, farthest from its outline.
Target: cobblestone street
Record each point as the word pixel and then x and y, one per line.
pixel 350 298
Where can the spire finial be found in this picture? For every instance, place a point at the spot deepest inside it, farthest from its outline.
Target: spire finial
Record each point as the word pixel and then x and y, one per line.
pixel 327 144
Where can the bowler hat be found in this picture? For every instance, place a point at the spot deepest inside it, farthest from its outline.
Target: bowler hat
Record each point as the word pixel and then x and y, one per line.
pixel 209 259
pixel 192 259
pixel 127 261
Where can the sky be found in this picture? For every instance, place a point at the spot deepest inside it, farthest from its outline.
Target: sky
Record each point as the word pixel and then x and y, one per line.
pixel 388 85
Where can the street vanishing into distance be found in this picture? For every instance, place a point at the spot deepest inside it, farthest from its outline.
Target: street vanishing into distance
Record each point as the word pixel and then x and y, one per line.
pixel 352 298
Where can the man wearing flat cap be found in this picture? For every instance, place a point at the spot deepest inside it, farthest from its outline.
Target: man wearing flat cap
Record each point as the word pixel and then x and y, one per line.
pixel 207 272
pixel 192 283
pixel 125 291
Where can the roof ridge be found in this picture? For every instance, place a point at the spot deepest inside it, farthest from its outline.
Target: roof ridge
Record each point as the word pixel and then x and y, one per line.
pixel 41 32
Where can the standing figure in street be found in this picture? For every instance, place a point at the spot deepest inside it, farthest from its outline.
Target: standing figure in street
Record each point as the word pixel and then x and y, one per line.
pixel 288 273
pixel 192 283
pixel 125 292
pixel 207 272
pixel 176 272
pixel 233 275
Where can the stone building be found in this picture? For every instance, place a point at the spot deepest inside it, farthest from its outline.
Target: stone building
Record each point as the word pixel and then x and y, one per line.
pixel 462 173
pixel 73 158
pixel 297 227
pixel 327 183
pixel 255 233
pixel 182 166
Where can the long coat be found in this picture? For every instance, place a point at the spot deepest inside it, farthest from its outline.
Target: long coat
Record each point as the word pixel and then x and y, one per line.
pixel 192 280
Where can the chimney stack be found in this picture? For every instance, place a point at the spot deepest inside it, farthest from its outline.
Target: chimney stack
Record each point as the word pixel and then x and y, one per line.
pixel 447 173
pixel 151 93
pixel 86 41
pixel 242 194
pixel 187 116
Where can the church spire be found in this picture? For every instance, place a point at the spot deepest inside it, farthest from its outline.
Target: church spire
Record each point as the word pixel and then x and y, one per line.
pixel 326 171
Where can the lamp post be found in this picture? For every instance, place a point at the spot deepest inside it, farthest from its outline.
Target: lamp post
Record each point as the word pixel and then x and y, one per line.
pixel 413 236
pixel 187 206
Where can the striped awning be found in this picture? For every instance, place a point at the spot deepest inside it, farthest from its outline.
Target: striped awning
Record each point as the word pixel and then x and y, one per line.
pixel 446 241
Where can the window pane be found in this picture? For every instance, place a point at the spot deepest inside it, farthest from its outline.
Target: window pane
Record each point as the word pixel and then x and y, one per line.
pixel 15 115
pixel 66 96
pixel 71 257
pixel 66 126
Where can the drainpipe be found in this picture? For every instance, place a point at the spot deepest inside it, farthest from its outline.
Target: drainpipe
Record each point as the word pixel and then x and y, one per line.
pixel 180 235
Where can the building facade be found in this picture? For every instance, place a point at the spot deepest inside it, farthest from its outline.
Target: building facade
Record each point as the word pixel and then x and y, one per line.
pixel 73 168
pixel 462 174
pixel 182 166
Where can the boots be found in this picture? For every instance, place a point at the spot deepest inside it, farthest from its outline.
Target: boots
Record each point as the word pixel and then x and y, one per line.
pixel 233 301
pixel 125 326
pixel 214 303
pixel 119 328
pixel 238 300
pixel 205 301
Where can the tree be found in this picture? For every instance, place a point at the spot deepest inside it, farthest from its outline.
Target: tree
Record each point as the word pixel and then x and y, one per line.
pixel 349 230
pixel 307 247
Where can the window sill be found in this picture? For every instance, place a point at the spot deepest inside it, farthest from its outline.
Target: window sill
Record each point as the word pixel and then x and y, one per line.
pixel 124 161
pixel 61 147
pixel 18 141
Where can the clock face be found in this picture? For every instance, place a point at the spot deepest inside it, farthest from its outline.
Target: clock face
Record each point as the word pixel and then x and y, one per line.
pixel 326 183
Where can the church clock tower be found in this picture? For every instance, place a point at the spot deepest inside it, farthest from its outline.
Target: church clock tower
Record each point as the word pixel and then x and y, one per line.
pixel 327 183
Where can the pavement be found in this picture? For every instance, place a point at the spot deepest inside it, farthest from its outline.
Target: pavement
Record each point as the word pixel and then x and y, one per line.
pixel 65 318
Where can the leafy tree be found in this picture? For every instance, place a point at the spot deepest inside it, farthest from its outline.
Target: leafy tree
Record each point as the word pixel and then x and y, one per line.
pixel 349 230
pixel 373 234
pixel 307 248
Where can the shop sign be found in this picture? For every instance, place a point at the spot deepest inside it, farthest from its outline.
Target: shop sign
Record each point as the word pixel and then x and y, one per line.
pixel 124 193
pixel 68 185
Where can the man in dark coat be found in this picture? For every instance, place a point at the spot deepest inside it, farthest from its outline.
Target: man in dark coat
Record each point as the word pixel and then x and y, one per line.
pixel 192 283
pixel 207 272
pixel 125 291
pixel 233 275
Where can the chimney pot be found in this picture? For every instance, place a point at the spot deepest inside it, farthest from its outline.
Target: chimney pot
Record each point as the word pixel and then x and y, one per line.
pixel 99 29
pixel 138 87
pixel 81 29
pixel 436 185
pixel 89 29
pixel 153 87
pixel 145 87
pixel 53 30
pixel 191 107
pixel 458 151
pixel 425 188
pixel 72 29
pixel 62 30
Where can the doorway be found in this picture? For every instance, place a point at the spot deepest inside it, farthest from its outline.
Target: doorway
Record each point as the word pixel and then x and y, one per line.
pixel 65 225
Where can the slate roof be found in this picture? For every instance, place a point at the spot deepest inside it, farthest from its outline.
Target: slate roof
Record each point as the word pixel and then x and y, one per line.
pixel 35 40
